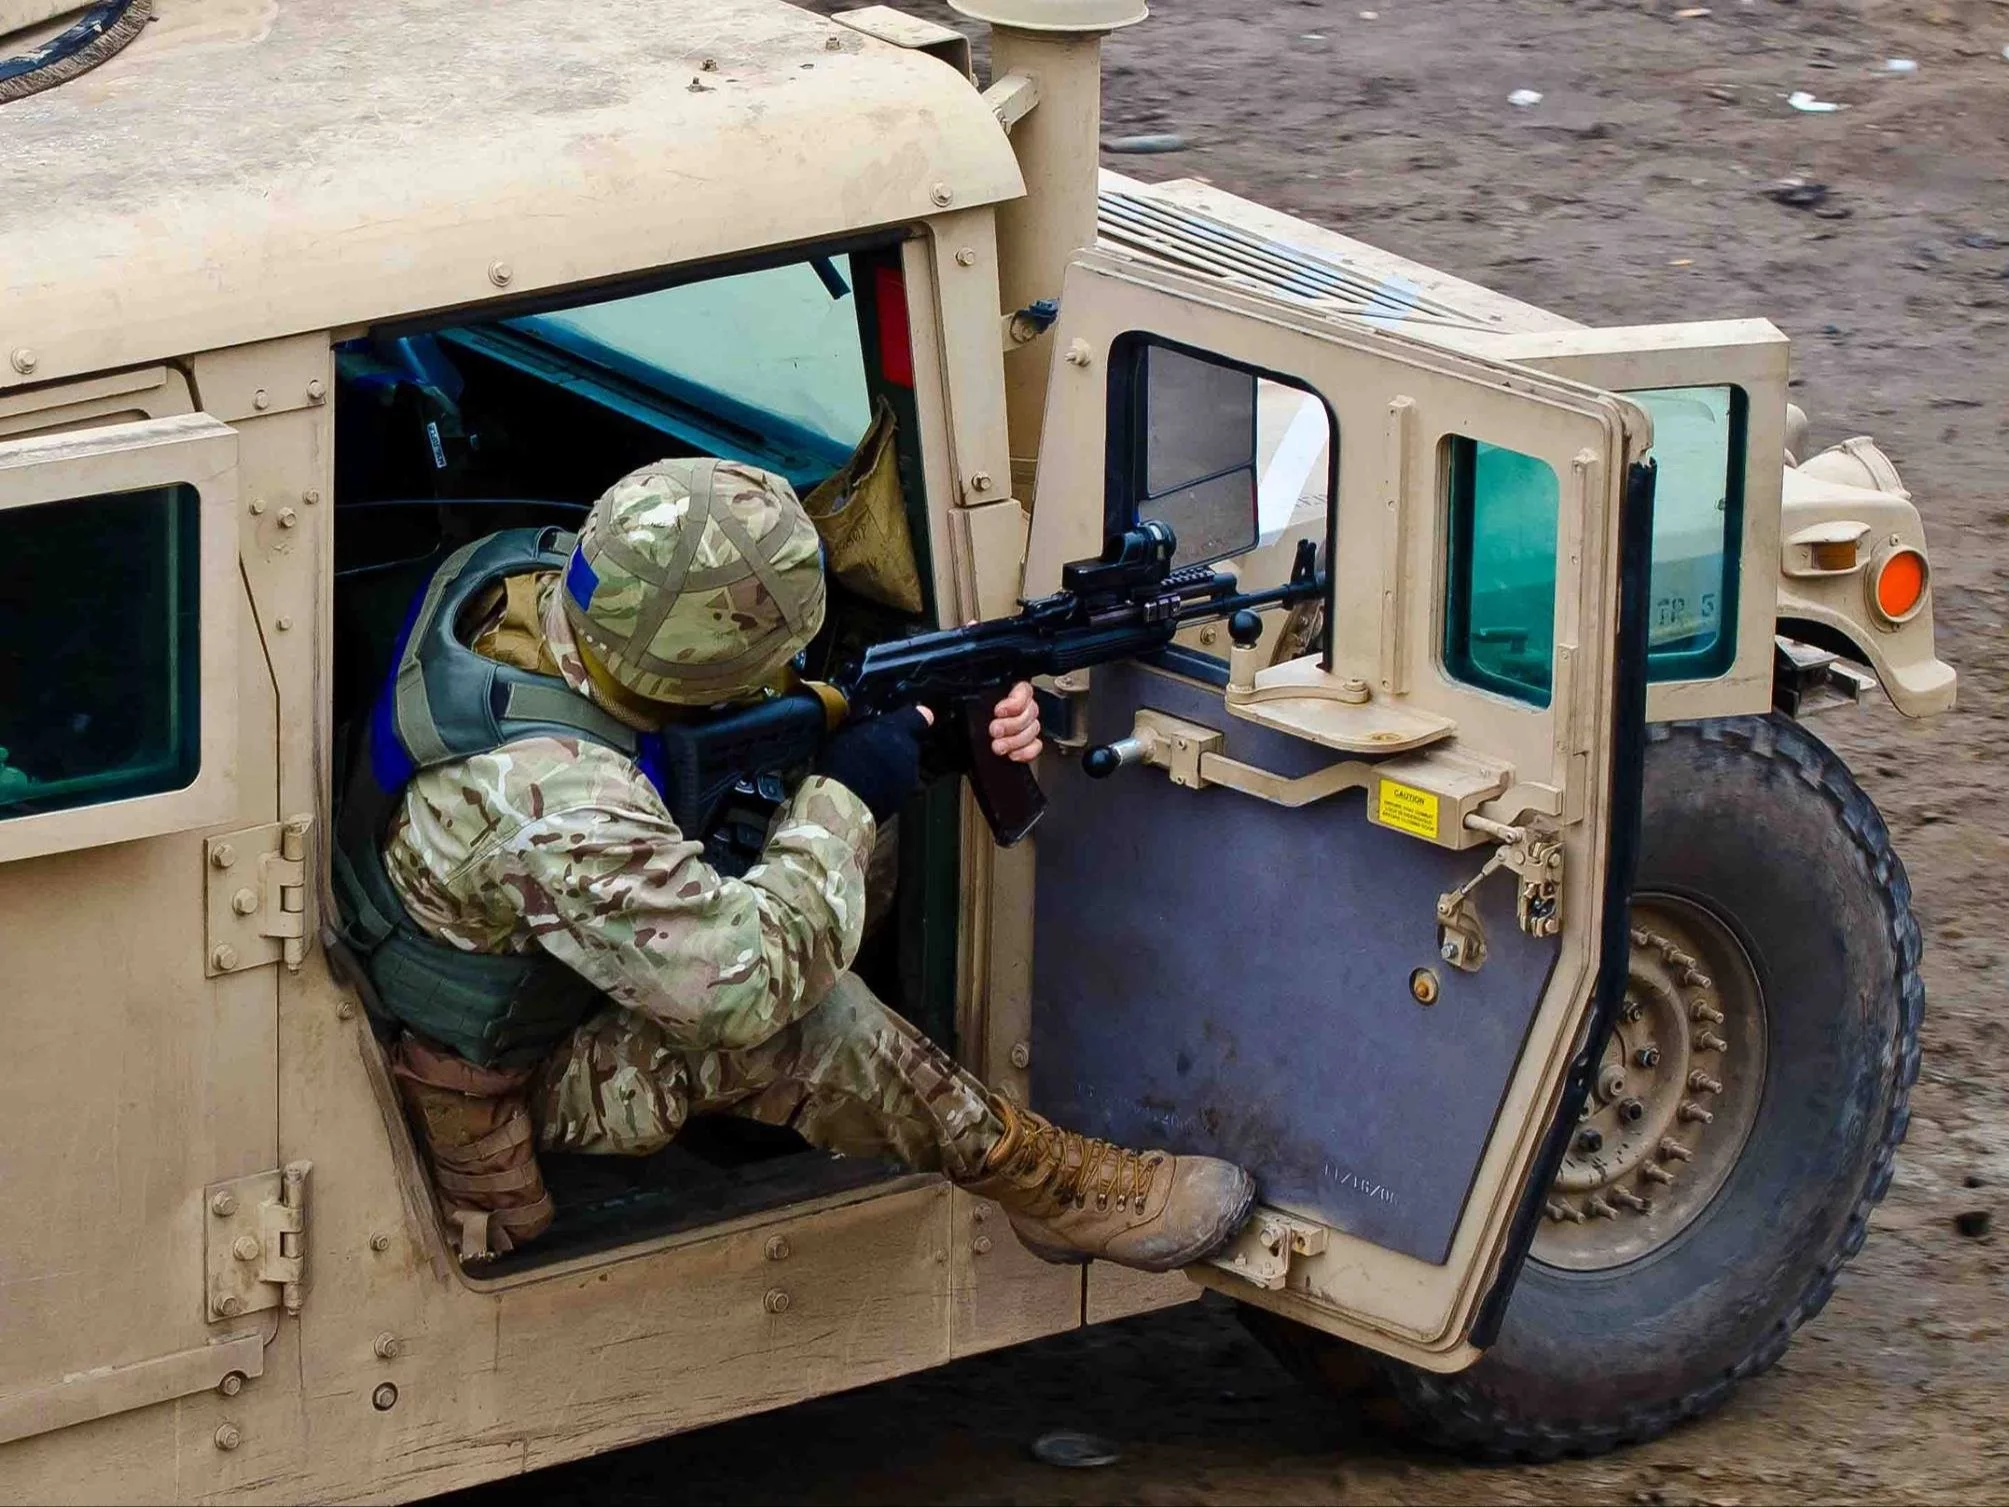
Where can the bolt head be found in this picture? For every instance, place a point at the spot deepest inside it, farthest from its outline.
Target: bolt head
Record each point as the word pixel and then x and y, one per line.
pixel 380 1241
pixel 227 1436
pixel 25 360
pixel 1590 1139
pixel 966 257
pixel 384 1398
pixel 223 855
pixel 244 902
pixel 224 958
pixel 261 400
pixel 346 1010
pixel 833 44
pixel 223 1205
pixel 500 273
pixel 1632 1111
pixel 284 623
pixel 776 1300
pixel 232 1383
pixel 1647 1056
pixel 245 1248
pixel 940 194
pixel 1021 1054
pixel 1449 952
pixel 230 1307
pixel 386 1346
pixel 981 1245
pixel 778 1248
pixel 288 518
pixel 316 390
pixel 980 482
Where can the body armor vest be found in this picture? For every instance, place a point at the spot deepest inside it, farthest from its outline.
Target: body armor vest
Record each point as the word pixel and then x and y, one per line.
pixel 443 702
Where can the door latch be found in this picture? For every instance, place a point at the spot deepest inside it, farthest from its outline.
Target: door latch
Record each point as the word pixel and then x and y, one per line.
pixel 1537 863
pixel 256 897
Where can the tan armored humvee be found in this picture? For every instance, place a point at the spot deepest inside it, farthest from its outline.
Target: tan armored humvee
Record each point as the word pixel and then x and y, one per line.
pixel 296 298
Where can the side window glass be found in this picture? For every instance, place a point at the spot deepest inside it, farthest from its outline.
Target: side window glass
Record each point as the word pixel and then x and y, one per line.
pixel 1698 505
pixel 1183 432
pixel 1500 609
pixel 100 610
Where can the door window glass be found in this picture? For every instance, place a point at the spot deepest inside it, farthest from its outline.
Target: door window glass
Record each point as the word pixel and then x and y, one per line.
pixel 99 616
pixel 1698 506
pixel 1184 425
pixel 1500 613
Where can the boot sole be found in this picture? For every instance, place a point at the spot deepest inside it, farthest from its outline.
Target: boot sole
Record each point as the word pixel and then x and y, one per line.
pixel 1225 1231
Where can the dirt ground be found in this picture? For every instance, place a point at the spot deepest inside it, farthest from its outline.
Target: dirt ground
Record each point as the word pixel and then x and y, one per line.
pixel 1630 194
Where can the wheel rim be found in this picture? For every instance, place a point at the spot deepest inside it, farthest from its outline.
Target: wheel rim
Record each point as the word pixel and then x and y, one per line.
pixel 1673 1100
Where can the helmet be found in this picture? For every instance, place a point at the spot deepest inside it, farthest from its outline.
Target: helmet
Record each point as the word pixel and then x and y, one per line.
pixel 694 581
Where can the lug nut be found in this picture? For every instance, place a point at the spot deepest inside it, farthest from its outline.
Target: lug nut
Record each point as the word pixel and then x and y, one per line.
pixel 1702 1083
pixel 1704 1011
pixel 1709 1041
pixel 1590 1139
pixel 1632 1111
pixel 1674 1151
pixel 1600 1208
pixel 1647 1056
pixel 1690 1110
pixel 1653 1172
pixel 1631 1200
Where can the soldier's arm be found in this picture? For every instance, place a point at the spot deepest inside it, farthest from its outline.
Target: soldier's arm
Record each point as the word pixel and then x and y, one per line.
pixel 603 880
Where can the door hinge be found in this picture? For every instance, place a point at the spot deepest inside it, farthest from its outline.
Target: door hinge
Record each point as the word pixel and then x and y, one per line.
pixel 1537 863
pixel 1261 1254
pixel 256 896
pixel 255 1242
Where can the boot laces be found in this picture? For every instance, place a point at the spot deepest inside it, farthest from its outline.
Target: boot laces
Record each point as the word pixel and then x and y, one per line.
pixel 1076 1167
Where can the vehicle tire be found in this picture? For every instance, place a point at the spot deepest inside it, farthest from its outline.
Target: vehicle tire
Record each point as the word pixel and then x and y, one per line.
pixel 1757 841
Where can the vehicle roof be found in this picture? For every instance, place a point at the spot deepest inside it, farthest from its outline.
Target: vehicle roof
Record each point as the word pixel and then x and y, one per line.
pixel 256 168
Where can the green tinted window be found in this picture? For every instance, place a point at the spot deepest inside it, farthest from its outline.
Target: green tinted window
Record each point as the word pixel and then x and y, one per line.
pixel 98 664
pixel 1500 614
pixel 1698 507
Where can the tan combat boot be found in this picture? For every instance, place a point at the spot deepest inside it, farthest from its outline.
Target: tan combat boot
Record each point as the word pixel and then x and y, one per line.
pixel 479 1139
pixel 1072 1198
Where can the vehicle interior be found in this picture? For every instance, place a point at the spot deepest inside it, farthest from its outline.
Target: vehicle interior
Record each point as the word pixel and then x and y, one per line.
pixel 449 431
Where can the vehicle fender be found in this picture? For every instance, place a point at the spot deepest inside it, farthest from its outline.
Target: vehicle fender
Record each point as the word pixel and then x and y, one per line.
pixel 1853 490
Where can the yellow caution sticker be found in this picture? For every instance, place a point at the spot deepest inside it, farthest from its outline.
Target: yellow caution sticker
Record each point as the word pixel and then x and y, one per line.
pixel 1406 809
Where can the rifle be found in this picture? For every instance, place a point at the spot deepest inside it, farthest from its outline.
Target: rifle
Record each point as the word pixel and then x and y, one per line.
pixel 1126 602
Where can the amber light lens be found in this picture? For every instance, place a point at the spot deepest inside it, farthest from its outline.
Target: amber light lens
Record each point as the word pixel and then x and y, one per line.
pixel 1900 585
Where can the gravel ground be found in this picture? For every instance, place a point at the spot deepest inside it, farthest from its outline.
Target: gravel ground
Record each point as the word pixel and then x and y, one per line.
pixel 1630 194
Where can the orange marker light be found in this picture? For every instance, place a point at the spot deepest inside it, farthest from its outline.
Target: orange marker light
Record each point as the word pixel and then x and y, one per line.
pixel 1900 585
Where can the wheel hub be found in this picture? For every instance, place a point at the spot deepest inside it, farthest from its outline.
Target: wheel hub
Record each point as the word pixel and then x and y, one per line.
pixel 1673 1100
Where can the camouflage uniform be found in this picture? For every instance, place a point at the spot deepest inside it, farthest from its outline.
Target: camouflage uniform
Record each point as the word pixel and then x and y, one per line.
pixel 725 994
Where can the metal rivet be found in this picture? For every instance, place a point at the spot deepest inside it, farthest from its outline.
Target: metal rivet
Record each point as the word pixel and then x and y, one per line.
pixel 386 1346
pixel 257 506
pixel 384 1398
pixel 380 1241
pixel 1021 1054
pixel 966 257
pixel 244 902
pixel 311 496
pixel 940 193
pixel 287 518
pixel 245 1247
pixel 346 1010
pixel 232 1383
pixel 833 44
pixel 260 401
pixel 980 1213
pixel 223 855
pixel 283 623
pixel 223 1205
pixel 224 958
pixel 316 390
pixel 709 65
pixel 777 1248
pixel 1423 986
pixel 230 1307
pixel 25 360
pixel 227 1436
pixel 981 1245
pixel 776 1301
pixel 500 273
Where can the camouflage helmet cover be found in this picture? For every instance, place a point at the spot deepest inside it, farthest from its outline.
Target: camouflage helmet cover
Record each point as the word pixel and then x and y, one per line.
pixel 695 580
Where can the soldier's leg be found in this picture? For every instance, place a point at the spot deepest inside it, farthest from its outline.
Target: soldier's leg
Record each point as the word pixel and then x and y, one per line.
pixel 476 1127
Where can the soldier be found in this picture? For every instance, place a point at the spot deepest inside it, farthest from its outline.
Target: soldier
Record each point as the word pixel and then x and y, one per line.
pixel 571 974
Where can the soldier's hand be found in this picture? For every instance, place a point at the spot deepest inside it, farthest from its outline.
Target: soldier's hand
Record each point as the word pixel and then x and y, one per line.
pixel 879 759
pixel 1015 726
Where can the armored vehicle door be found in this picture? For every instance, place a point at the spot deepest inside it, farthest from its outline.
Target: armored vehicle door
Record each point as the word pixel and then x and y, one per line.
pixel 1347 915
pixel 147 892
